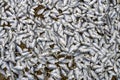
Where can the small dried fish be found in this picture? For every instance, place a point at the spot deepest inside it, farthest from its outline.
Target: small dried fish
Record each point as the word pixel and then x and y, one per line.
pixel 19 67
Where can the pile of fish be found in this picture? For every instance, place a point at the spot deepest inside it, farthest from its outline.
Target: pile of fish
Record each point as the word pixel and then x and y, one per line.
pixel 60 39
